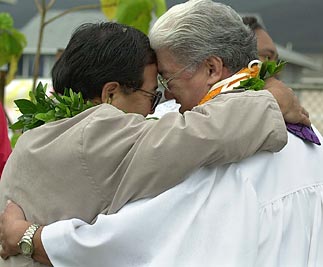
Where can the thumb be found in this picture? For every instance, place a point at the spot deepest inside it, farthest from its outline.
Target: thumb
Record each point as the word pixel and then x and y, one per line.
pixel 14 211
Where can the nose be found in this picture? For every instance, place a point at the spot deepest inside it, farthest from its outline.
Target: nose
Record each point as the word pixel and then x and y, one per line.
pixel 168 95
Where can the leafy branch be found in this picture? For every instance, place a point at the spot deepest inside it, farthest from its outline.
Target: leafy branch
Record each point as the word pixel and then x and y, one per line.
pixel 268 69
pixel 42 109
pixel 12 43
pixel 135 13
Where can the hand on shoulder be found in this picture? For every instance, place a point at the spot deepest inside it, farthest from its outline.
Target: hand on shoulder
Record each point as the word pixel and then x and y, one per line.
pixel 289 104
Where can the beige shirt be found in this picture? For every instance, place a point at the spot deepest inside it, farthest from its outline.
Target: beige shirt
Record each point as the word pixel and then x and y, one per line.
pixel 103 158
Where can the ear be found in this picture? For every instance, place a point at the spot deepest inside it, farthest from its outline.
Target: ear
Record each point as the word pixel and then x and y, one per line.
pixel 108 90
pixel 214 67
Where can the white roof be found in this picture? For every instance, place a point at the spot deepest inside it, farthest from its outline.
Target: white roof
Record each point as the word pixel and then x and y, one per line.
pixel 298 58
pixel 58 32
pixel 9 1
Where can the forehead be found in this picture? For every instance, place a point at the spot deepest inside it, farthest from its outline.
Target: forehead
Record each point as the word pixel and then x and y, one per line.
pixel 166 62
pixel 264 40
pixel 265 45
pixel 150 77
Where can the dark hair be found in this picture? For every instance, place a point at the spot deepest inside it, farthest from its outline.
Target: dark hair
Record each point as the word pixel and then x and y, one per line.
pixel 98 53
pixel 252 22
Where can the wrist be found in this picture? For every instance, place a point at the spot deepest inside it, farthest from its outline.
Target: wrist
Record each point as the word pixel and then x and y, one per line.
pixel 15 234
pixel 25 244
pixel 283 98
pixel 40 254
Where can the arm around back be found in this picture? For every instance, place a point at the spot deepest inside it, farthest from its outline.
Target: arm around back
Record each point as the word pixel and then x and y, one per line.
pixel 227 129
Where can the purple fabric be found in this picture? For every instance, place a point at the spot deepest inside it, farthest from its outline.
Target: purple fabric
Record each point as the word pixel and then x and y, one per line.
pixel 304 132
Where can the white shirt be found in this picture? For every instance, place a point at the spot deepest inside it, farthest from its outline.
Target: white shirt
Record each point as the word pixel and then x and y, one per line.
pixel 264 211
pixel 164 108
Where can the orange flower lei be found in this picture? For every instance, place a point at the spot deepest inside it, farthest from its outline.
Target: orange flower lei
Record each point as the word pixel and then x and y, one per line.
pixel 228 84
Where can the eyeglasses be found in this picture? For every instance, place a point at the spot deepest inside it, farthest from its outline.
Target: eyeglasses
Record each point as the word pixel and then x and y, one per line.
pixel 164 82
pixel 156 98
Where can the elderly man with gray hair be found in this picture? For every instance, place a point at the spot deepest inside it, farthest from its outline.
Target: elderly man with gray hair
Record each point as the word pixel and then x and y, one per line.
pixel 264 211
pixel 199 41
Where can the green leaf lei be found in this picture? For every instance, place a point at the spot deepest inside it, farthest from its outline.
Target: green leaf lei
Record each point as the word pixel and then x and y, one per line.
pixel 267 70
pixel 41 108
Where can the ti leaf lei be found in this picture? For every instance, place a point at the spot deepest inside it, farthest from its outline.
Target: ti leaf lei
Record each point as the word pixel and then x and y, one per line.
pixel 268 69
pixel 41 108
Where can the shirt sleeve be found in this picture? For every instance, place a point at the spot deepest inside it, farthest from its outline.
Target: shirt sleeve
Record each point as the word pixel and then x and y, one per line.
pixel 207 222
pixel 227 129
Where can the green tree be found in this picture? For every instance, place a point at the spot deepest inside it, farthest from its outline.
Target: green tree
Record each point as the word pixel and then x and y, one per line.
pixel 136 13
pixel 12 43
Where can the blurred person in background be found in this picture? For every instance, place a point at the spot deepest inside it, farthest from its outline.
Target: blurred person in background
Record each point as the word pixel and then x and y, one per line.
pixel 265 45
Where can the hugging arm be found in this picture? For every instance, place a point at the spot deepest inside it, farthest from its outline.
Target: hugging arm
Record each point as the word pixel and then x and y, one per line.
pixel 289 105
pixel 226 129
pixel 12 227
pixel 253 116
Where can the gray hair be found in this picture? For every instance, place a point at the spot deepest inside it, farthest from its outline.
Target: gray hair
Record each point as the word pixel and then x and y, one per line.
pixel 198 29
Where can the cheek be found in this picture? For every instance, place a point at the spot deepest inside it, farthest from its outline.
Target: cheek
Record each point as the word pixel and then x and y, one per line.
pixel 262 58
pixel 168 95
pixel 186 101
pixel 192 96
pixel 145 107
pixel 137 104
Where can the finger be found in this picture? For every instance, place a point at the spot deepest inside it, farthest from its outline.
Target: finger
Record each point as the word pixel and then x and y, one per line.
pixel 3 254
pixel 305 112
pixel 305 120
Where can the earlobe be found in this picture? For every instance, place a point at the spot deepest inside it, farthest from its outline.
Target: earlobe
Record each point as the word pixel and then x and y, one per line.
pixel 108 90
pixel 215 69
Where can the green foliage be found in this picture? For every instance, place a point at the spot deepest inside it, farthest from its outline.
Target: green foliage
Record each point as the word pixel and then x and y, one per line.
pixel 109 8
pixel 268 69
pixel 136 13
pixel 12 42
pixel 252 84
pixel 41 109
pixel 159 7
pixel 14 139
